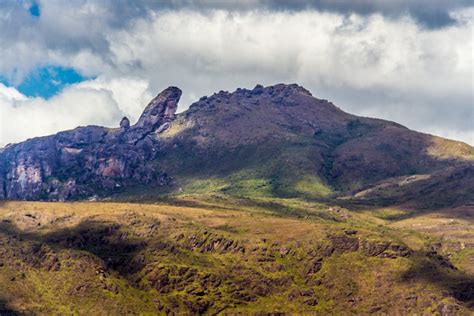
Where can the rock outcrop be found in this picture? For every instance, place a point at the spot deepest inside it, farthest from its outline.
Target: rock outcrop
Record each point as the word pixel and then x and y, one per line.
pixel 294 143
pixel 160 110
pixel 88 160
pixel 125 123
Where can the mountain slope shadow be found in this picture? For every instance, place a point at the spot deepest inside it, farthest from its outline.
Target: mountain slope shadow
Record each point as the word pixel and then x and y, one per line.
pixel 439 271
pixel 5 310
pixel 108 242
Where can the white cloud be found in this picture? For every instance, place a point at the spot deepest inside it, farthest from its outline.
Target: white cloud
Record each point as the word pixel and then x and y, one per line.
pixel 397 70
pixel 131 95
pixel 9 94
pixel 372 65
pixel 97 102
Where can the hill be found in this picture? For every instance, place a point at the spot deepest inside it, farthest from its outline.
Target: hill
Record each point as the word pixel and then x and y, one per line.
pixel 229 257
pixel 258 201
pixel 274 141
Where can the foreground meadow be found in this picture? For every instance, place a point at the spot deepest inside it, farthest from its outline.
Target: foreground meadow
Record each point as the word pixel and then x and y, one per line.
pixel 218 254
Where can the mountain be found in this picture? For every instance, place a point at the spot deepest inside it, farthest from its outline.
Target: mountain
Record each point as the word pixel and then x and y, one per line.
pixel 88 160
pixel 272 141
pixel 257 202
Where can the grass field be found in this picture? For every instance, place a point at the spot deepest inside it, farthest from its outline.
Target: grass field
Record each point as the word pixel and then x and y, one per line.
pixel 216 253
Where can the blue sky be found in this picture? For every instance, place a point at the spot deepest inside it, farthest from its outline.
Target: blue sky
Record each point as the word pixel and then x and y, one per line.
pixel 46 81
pixel 34 9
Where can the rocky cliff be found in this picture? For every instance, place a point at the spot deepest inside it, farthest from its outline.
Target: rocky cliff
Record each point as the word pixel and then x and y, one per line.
pixel 273 141
pixel 89 160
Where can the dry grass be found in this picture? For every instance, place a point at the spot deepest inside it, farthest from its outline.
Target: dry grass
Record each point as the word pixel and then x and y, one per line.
pixel 448 149
pixel 69 214
pixel 347 282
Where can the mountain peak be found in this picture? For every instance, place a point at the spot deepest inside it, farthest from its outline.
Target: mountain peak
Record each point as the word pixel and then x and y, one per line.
pixel 280 88
pixel 279 94
pixel 161 109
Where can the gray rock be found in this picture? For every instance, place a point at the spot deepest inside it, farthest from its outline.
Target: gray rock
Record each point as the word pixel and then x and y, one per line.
pixel 89 160
pixel 125 123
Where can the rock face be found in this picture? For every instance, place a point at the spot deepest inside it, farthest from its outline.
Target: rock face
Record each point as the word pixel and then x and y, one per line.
pixel 125 123
pixel 160 110
pixel 291 142
pixel 88 160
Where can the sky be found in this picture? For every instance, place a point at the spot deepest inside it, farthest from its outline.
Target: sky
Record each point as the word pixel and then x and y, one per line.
pixel 65 64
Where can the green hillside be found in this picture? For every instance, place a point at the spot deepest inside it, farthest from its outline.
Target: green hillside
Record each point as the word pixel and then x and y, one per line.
pixel 213 253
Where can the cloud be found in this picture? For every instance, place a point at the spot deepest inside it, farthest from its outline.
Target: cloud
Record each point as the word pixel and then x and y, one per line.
pixel 372 66
pixel 428 13
pixel 97 102
pixel 370 58
pixel 62 31
pixel 130 95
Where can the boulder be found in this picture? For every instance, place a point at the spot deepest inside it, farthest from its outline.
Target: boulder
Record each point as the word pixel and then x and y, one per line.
pixel 125 123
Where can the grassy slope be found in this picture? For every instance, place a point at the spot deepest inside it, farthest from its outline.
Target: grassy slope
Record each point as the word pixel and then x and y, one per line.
pixel 143 258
